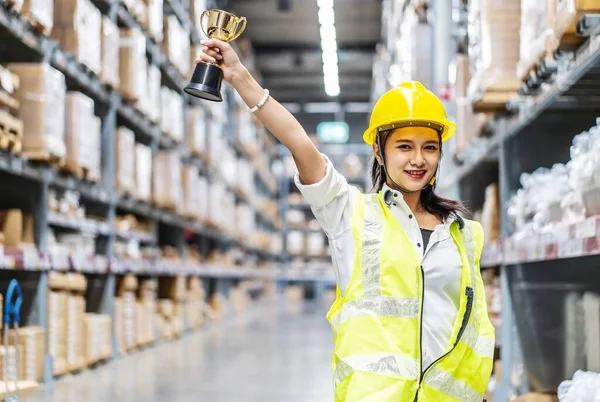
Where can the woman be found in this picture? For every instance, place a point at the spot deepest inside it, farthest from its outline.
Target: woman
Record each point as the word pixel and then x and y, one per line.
pixel 410 320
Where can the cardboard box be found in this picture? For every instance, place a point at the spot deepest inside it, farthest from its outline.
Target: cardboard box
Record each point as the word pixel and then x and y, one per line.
pixel 167 189
pixel 196 130
pixel 176 44
pixel 154 22
pixel 40 11
pixel 31 353
pixel 172 115
pixel 75 326
pixel 41 94
pixel 190 176
pixel 124 160
pixel 491 213
pixel 173 288
pixel 78 28
pixel 109 73
pixel 196 9
pixel 57 330
pixel 133 64
pixel 143 172
pixel 8 358
pixel 154 94
pixel 82 133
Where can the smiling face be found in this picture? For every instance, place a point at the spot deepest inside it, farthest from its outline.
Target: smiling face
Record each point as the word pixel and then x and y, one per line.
pixel 412 155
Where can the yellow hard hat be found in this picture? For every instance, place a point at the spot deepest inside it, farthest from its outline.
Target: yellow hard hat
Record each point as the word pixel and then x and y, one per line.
pixel 409 104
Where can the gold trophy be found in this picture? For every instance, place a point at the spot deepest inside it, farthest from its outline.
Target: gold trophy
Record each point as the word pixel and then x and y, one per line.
pixel 207 77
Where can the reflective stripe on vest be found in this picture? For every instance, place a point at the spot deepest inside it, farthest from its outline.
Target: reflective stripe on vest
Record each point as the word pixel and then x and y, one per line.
pixel 376 321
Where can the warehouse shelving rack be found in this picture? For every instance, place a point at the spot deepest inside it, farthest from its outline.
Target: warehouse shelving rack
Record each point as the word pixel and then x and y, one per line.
pixel 543 275
pixel 26 185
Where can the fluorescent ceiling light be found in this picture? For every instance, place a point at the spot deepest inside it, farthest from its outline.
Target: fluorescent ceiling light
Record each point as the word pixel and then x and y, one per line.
pixel 330 58
pixel 328 31
pixel 322 107
pixel 326 16
pixel 357 107
pixel 332 91
pixel 329 45
pixel 325 3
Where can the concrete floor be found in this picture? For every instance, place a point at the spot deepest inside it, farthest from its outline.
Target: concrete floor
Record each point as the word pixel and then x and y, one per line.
pixel 271 354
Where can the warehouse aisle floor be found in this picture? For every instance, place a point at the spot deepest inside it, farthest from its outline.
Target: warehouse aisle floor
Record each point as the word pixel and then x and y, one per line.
pixel 273 354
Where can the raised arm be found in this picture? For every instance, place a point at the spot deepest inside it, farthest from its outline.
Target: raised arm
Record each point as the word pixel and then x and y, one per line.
pixel 281 123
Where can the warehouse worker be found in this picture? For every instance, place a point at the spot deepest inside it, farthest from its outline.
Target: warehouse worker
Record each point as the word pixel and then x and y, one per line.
pixel 410 321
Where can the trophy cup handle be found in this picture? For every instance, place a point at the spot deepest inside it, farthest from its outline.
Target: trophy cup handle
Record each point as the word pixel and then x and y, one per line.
pixel 204 13
pixel 241 25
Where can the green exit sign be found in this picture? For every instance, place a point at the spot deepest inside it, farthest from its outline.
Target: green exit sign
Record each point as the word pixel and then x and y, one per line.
pixel 333 132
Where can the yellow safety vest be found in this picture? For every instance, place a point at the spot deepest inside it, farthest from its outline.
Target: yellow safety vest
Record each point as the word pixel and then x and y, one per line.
pixel 377 322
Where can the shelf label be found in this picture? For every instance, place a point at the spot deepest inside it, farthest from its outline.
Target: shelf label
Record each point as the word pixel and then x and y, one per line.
pixel 571 248
pixel 586 228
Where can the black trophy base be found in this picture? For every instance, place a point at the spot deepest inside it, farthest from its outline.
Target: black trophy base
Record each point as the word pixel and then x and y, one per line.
pixel 206 82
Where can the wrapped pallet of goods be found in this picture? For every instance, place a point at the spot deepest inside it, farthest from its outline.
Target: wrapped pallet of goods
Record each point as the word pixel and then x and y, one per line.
pixel 469 124
pixel 154 95
pixel 57 321
pixel 133 65
pixel 195 302
pixel 176 44
pixel 41 95
pixel 8 364
pixel 82 135
pixel 147 305
pixel 97 338
pixel 191 194
pixel 538 37
pixel 125 313
pixel 494 51
pixel 143 172
pixel 214 139
pixel 568 13
pixel 77 284
pixel 167 191
pixel 124 162
pixel 196 131
pixel 171 114
pixel 166 311
pixel 31 353
pixel 40 13
pixel 154 23
pixel 109 72
pixel 78 28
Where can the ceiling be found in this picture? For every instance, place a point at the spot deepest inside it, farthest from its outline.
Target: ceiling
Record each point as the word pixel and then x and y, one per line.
pixel 285 37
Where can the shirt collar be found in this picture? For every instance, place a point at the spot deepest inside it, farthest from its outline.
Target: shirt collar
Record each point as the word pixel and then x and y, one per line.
pixel 395 198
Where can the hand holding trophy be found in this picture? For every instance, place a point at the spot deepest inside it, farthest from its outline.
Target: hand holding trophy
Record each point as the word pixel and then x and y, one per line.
pixel 208 76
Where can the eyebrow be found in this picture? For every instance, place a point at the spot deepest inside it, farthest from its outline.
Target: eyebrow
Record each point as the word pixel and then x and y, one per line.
pixel 411 141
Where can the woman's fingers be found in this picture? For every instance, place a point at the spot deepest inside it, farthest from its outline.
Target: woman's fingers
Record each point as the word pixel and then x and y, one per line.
pixel 206 58
pixel 213 52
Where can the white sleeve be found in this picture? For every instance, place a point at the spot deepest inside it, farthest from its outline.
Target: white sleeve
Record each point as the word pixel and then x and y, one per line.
pixel 331 200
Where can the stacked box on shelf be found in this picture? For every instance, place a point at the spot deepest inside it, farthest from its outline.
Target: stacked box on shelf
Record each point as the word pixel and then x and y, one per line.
pixel 124 162
pixel 171 113
pixel 41 93
pixel 214 140
pixel 469 124
pixel 78 28
pixel 176 44
pixel 40 13
pixel 246 221
pixel 97 338
pixel 568 13
pixel 133 65
pixel 82 134
pixel 195 303
pixel 154 23
pixel 31 353
pixel 192 195
pixel 143 172
pixel 138 9
pixel 196 131
pixel 245 177
pixel 154 93
pixel 109 54
pixel 167 189
pixel 538 39
pixel 197 7
pixel 220 305
pixel 58 297
pixel 228 165
pixel 494 38
pixel 77 285
pixel 146 307
pixel 163 320
pixel 125 313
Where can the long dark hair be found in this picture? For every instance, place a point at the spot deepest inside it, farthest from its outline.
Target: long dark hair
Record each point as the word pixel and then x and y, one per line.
pixel 430 201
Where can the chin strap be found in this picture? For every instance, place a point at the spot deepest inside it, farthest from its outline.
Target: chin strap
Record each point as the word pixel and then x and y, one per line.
pixel 396 185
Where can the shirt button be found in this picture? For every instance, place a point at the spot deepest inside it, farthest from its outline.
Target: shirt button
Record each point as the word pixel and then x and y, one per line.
pixel 418 244
pixel 396 195
pixel 410 216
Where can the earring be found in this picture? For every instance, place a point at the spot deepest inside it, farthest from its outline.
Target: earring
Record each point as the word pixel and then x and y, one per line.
pixel 432 181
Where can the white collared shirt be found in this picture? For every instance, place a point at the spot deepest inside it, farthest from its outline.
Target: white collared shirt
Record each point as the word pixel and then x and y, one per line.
pixel 332 200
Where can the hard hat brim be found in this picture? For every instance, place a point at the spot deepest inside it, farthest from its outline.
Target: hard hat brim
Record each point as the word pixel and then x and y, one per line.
pixel 449 128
